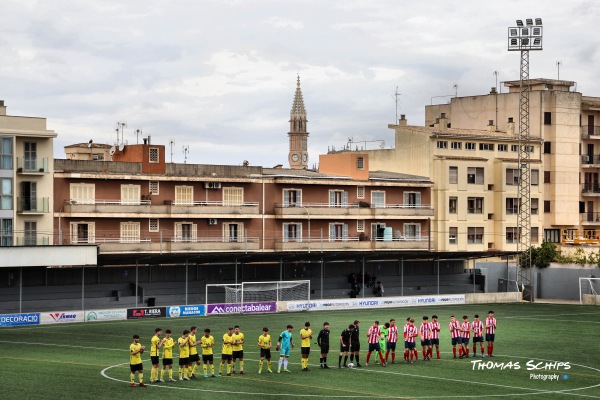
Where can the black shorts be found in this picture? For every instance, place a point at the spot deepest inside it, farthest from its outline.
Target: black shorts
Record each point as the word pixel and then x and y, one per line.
pixel 324 348
pixel 435 341
pixel 409 345
pixel 207 358
pixel 355 346
pixel 465 340
pixel 136 367
pixel 184 361
pixel 305 350
pixel 344 349
pixel 265 353
pixel 489 337
pixel 238 354
pixel 390 346
pixel 226 357
pixel 154 360
pixel 426 342
pixel 374 347
pixel 456 340
pixel 167 361
pixel 477 339
pixel 194 358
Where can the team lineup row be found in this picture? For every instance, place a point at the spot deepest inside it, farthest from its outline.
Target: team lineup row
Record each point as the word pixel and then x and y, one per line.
pixel 381 340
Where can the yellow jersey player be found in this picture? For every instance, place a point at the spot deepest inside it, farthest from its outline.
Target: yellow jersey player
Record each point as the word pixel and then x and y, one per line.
pixel 207 342
pixel 227 352
pixel 194 356
pixel 305 338
pixel 264 342
pixel 156 344
pixel 238 348
pixel 168 344
pixel 184 355
pixel 135 361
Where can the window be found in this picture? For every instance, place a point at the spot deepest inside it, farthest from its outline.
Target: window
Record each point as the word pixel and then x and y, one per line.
pixel 475 175
pixel 292 232
pixel 6 154
pixel 377 199
pixel 338 232
pixel 184 195
pixel 547 118
pixel 98 157
pixel 153 187
pixel 535 205
pixel 469 146
pixel 360 225
pixel 6 194
pixel 82 232
pixel 185 232
pixel 456 145
pixel 83 193
pixel 360 192
pixel 453 175
pixel 452 234
pixel 153 155
pixel 153 225
pixel 512 177
pixel 130 232
pixel 512 205
pixel 452 205
pixel 546 176
pixel 535 177
pixel 412 231
pixel 30 233
pixel 130 194
pixel 377 231
pixel 292 197
pixel 486 146
pixel 552 235
pixel 360 163
pixel 529 149
pixel 546 206
pixel 535 234
pixel 29 200
pixel 233 196
pixel 475 205
pixel 233 232
pixel 514 148
pixel 30 158
pixel 338 198
pixel 412 199
pixel 442 144
pixel 547 147
pixel 6 232
pixel 502 147
pixel 474 235
pixel 512 235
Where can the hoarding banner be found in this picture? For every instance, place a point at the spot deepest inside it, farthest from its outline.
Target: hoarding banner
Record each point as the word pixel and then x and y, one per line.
pixel 247 308
pixel 106 315
pixel 19 319
pixel 62 317
pixel 146 312
pixel 406 301
pixel 185 311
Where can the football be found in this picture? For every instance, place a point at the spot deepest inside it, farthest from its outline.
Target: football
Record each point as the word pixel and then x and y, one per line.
pixel 351 365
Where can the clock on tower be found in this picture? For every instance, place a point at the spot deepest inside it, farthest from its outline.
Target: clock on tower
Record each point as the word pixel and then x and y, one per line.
pixel 298 136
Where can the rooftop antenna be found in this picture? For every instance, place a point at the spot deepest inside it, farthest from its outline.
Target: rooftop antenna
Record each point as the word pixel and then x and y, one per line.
pixel 138 133
pixel 496 73
pixel 396 96
pixel 455 86
pixel 120 126
pixel 172 143
pixel 186 151
pixel 558 64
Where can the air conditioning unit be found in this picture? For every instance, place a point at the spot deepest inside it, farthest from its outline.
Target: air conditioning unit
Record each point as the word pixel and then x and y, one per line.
pixel 212 185
pixel 212 221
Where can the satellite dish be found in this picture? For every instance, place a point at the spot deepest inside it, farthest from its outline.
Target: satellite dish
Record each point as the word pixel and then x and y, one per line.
pixel 121 147
pixel 112 150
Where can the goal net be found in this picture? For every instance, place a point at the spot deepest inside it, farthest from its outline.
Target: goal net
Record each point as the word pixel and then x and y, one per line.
pixel 588 286
pixel 256 292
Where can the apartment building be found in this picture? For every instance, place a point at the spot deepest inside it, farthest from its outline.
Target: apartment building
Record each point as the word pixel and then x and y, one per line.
pixel 569 124
pixel 139 203
pixel 26 166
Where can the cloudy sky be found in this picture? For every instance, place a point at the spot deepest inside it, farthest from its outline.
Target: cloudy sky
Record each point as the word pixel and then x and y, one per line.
pixel 219 76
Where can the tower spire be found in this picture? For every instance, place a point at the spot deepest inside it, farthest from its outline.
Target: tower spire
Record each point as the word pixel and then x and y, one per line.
pixel 298 136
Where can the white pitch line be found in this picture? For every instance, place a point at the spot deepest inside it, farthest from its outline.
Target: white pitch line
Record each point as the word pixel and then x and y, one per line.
pixel 561 320
pixel 62 345
pixel 549 315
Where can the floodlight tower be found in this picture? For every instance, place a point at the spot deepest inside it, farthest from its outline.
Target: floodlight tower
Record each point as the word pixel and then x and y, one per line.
pixel 523 38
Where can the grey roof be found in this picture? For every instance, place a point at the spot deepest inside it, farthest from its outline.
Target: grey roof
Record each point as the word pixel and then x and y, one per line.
pixel 397 176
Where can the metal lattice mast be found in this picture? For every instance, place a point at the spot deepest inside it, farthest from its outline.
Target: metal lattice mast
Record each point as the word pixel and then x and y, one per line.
pixel 524 38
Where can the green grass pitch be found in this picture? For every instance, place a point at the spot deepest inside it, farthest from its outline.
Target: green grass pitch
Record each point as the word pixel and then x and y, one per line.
pixel 90 360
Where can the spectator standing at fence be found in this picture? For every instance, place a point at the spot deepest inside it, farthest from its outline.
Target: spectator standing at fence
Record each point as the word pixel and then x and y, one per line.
pixel 323 342
pixel 379 289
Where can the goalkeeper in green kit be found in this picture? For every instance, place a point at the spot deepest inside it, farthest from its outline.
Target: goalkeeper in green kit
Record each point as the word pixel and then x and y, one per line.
pixel 383 338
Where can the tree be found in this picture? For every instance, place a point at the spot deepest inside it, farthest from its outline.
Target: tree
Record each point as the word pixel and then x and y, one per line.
pixel 541 256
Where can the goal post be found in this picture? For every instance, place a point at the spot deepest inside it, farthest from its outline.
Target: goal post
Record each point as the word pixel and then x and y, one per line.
pixel 257 292
pixel 588 286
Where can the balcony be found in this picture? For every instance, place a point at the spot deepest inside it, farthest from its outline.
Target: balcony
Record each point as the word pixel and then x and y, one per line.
pixel 590 189
pixel 590 132
pixel 353 210
pixel 352 244
pixel 32 241
pixel 590 218
pixel 593 160
pixel 33 205
pixel 109 208
pixel 32 166
pixel 211 208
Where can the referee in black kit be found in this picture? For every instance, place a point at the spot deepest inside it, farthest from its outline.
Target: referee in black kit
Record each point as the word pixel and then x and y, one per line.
pixel 355 344
pixel 323 342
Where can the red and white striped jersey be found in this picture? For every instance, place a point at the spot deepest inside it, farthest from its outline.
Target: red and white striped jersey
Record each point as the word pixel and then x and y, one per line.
pixel 454 329
pixel 373 334
pixel 393 334
pixel 435 330
pixel 425 330
pixel 477 328
pixel 411 333
pixel 490 325
pixel 406 330
pixel 466 330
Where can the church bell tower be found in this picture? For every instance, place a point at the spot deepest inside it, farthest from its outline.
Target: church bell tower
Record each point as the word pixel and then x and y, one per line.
pixel 298 155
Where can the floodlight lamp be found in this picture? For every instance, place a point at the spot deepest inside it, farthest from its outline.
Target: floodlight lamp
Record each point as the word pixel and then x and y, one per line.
pixel 525 42
pixel 519 22
pixel 538 21
pixel 529 21
pixel 513 32
pixel 537 42
pixel 525 32
pixel 513 42
pixel 537 31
